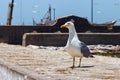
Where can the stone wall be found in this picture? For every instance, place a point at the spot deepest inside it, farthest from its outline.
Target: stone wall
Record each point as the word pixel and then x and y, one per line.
pixel 14 34
pixel 60 39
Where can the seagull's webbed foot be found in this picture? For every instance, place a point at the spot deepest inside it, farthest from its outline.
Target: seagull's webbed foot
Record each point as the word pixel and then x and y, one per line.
pixel 79 66
pixel 72 67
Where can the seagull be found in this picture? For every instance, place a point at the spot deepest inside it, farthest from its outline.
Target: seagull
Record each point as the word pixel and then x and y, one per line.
pixel 74 46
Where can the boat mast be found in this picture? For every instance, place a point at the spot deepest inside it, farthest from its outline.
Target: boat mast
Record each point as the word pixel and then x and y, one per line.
pixel 54 13
pixel 92 11
pixel 10 11
pixel 50 12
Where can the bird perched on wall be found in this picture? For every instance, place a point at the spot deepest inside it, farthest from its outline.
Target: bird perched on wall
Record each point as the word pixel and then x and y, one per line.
pixel 74 46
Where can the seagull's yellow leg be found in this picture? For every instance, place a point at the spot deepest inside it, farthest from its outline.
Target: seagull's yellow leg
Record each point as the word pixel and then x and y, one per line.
pixel 73 62
pixel 80 62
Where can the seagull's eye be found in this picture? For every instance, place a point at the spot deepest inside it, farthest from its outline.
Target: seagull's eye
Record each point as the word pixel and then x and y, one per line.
pixel 68 23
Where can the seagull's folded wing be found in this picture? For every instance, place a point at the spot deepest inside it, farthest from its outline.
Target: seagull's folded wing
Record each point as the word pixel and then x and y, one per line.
pixel 84 50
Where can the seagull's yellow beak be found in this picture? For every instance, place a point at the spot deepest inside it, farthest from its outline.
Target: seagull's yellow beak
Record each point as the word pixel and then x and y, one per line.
pixel 63 26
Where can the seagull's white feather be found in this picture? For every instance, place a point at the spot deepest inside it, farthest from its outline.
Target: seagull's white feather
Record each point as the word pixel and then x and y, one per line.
pixel 74 46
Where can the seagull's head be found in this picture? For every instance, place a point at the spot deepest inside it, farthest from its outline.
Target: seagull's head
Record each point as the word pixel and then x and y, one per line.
pixel 69 25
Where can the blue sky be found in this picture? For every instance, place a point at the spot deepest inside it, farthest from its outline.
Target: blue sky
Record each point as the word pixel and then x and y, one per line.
pixel 26 10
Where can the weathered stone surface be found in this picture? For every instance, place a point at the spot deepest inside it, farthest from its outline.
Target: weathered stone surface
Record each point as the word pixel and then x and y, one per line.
pixel 52 63
pixel 108 50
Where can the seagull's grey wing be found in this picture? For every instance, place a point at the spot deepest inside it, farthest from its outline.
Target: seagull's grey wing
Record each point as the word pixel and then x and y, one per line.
pixel 85 50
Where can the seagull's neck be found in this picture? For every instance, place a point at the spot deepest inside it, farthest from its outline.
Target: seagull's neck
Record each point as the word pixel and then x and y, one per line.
pixel 72 34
